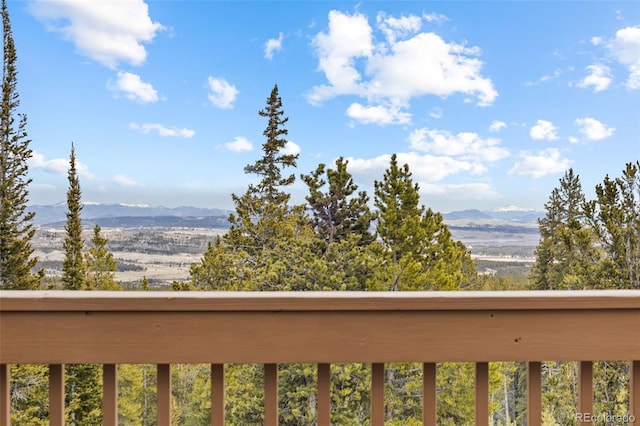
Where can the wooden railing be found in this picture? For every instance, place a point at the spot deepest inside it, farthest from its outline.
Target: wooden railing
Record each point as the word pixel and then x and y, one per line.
pixel 163 328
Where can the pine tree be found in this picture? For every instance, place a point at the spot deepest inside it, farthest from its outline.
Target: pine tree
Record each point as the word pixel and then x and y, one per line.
pixel 16 229
pixel 336 212
pixel 101 265
pixel 566 253
pixel 259 211
pixel 73 266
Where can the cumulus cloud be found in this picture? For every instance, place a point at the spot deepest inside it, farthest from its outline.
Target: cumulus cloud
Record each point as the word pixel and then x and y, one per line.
pixel 466 146
pixel 221 93
pixel 239 144
pixel 58 166
pixel 543 130
pixel 539 164
pixel 162 130
pixel 133 88
pixel 272 45
pixel 107 32
pixel 123 180
pixel 378 114
pixel 625 48
pixel 408 64
pixel 497 125
pixel 593 129
pixel 291 148
pixel 599 78
pixel 461 192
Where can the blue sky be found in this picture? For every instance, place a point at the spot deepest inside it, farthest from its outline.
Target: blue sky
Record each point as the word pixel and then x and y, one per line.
pixel 488 102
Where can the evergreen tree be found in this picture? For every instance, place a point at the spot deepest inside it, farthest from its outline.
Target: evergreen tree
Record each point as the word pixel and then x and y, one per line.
pixel 255 225
pixel 16 229
pixel 566 254
pixel 420 250
pixel 101 265
pixel 73 266
pixel 336 214
pixel 615 217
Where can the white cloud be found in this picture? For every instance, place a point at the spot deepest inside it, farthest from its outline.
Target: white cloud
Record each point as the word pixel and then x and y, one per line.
pixel 107 32
pixel 272 45
pixel 461 192
pixel 497 125
pixel 434 17
pixel 407 64
pixel 239 144
pixel 59 166
pixel 599 78
pixel 625 48
pixel 543 129
pixel 539 164
pixel 593 129
pixel 134 88
pixel 162 130
pixel 123 180
pixel 378 114
pixel 466 146
pixel 435 112
pixel 291 148
pixel 596 41
pixel 221 93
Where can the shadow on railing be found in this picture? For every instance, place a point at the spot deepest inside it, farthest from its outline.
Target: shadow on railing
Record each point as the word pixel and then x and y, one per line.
pixel 111 328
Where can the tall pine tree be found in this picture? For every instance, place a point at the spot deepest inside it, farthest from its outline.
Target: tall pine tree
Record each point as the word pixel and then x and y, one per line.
pixel 101 265
pixel 16 229
pixel 73 265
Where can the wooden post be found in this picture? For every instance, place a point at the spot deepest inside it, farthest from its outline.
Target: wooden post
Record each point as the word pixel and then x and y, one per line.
pixel 429 407
pixel 5 394
pixel 377 394
pixel 164 394
pixel 271 394
pixel 217 394
pixel 110 395
pixel 56 394
pixel 482 394
pixel 534 393
pixel 585 391
pixel 324 394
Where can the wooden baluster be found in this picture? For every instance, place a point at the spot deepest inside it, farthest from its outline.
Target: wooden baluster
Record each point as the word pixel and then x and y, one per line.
pixel 482 394
pixel 324 394
pixel 217 394
pixel 110 395
pixel 634 390
pixel 5 394
pixel 164 395
pixel 377 394
pixel 534 393
pixel 56 395
pixel 585 390
pixel 271 394
pixel 429 409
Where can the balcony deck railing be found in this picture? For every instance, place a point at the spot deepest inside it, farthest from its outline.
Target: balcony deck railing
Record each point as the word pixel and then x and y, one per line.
pixel 217 328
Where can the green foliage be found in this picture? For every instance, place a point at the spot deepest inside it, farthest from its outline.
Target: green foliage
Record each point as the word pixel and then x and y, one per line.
pixel 83 394
pixel 73 265
pixel 420 252
pixel 101 265
pixel 30 395
pixel 336 214
pixel 137 395
pixel 16 228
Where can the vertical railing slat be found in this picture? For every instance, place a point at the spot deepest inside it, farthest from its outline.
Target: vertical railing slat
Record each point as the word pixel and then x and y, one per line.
pixel 377 394
pixel 429 408
pixel 482 394
pixel 634 389
pixel 56 395
pixel 585 391
pixel 534 393
pixel 5 394
pixel 164 395
pixel 217 394
pixel 110 395
pixel 271 394
pixel 324 394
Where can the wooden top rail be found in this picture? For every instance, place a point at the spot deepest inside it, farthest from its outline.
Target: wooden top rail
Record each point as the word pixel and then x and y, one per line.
pixel 317 327
pixel 228 301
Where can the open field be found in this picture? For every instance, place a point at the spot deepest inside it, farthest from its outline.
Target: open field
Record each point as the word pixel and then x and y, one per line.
pixel 164 254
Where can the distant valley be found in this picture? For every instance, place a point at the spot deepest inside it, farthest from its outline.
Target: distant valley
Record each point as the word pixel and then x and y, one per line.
pixel 161 243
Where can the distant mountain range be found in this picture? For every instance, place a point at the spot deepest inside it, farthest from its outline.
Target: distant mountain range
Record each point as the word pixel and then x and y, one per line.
pixel 134 216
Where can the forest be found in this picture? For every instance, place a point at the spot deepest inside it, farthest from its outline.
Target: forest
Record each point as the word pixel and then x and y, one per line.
pixel 341 239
